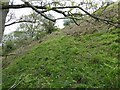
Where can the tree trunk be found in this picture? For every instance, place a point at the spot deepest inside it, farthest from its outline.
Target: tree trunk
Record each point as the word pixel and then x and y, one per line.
pixel 3 15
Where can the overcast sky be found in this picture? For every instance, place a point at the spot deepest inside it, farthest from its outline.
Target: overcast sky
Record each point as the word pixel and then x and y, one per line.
pixel 19 12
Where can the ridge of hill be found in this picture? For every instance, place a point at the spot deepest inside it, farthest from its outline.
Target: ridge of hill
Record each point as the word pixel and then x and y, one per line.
pixel 84 56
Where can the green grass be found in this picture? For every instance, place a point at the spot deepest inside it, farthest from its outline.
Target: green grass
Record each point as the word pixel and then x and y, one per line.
pixel 87 61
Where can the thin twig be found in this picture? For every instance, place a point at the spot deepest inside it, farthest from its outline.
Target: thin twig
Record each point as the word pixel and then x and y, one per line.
pixel 16 83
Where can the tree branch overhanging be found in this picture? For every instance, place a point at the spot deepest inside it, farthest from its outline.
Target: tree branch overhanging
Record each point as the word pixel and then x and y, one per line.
pixel 34 8
pixel 56 9
pixel 20 22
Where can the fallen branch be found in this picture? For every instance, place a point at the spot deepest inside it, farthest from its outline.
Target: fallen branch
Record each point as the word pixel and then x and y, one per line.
pixel 6 55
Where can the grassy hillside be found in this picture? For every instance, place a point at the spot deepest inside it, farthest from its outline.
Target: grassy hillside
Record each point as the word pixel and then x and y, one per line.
pixel 67 61
pixel 84 56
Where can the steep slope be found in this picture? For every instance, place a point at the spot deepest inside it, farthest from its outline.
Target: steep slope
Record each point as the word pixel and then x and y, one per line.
pixel 78 57
pixel 67 61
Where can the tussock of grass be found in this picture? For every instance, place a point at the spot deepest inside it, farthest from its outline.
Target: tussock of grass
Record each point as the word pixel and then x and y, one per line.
pixel 87 61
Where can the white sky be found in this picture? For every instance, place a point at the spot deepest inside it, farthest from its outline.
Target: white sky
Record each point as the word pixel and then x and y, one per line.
pixel 19 12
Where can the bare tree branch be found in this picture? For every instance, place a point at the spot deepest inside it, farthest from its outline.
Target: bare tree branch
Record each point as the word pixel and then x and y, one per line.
pixel 34 8
pixel 28 5
pixel 20 22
